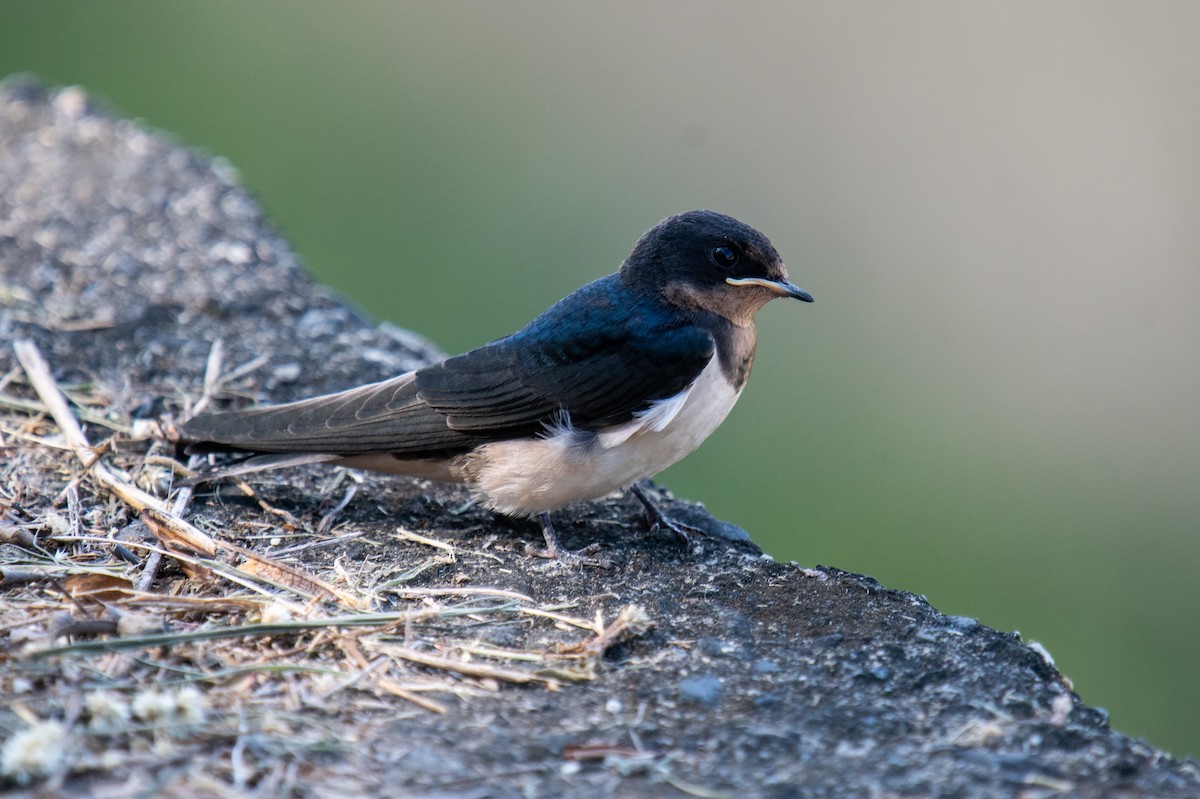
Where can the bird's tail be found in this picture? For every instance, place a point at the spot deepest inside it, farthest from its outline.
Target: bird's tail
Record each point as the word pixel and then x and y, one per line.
pixel 258 463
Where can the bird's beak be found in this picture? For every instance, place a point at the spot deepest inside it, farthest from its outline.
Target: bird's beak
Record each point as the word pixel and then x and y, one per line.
pixel 781 287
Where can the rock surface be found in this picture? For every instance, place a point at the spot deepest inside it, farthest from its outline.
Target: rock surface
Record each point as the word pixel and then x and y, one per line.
pixel 124 256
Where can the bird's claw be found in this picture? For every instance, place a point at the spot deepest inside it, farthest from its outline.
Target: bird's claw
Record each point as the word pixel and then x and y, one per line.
pixel 582 557
pixel 555 551
pixel 657 519
pixel 682 532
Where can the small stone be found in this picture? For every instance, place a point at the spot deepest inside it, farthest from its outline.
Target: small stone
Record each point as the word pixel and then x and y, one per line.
pixel 703 690
pixel 765 666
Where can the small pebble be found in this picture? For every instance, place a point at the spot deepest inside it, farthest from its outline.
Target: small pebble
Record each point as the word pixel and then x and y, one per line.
pixel 765 666
pixel 703 690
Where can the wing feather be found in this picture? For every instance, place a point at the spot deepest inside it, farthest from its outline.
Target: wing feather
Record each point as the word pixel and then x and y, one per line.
pixel 599 356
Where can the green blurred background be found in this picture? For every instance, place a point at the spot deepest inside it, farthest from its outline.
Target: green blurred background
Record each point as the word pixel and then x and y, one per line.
pixel 994 402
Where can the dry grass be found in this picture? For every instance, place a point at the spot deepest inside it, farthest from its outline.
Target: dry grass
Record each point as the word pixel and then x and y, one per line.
pixel 130 638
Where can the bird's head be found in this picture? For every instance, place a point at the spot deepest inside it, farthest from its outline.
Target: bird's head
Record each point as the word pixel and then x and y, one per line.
pixel 706 260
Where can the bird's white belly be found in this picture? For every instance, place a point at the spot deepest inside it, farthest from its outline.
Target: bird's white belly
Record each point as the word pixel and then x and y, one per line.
pixel 522 477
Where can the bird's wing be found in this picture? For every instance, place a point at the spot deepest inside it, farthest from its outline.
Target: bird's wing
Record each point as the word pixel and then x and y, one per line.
pixel 594 359
pixel 521 385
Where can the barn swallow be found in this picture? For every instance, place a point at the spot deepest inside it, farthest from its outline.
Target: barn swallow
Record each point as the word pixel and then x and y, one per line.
pixel 609 386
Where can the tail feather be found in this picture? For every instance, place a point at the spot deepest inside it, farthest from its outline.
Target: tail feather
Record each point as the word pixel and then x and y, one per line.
pixel 259 463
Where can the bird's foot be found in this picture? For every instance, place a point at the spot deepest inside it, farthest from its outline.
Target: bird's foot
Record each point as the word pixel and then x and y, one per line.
pixel 555 551
pixel 657 518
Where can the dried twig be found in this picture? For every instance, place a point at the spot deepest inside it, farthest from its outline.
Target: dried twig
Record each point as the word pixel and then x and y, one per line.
pixel 173 531
pixel 420 539
pixel 29 406
pixel 383 620
pixel 43 383
pixel 464 591
pixel 464 667
pixel 146 578
pixel 631 621
pixel 328 519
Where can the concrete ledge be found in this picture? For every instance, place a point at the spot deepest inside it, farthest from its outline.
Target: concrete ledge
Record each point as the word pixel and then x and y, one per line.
pixel 124 257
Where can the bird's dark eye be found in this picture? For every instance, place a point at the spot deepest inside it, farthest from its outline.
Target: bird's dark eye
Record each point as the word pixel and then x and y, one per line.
pixel 724 257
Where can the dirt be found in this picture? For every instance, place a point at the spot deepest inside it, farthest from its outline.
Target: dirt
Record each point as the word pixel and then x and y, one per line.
pixel 123 257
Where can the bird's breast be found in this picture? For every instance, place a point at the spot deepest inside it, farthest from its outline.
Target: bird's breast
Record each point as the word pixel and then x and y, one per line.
pixel 527 476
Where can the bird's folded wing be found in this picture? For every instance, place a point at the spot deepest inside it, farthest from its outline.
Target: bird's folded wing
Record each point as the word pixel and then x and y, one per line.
pixel 592 362
pixel 515 387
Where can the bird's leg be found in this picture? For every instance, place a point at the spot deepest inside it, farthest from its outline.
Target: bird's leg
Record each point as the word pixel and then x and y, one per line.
pixel 555 550
pixel 657 518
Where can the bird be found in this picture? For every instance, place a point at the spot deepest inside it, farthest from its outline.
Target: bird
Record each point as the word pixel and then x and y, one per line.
pixel 609 386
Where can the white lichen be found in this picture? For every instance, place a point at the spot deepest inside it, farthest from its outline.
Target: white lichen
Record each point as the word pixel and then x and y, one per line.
pixel 106 710
pixel 34 752
pixel 184 706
